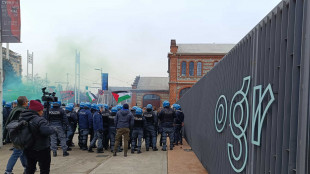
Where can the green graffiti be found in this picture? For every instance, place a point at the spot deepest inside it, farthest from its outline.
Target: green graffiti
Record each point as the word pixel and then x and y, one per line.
pixel 258 119
pixel 240 103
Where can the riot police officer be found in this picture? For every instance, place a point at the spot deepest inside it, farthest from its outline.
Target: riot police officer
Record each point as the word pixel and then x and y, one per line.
pixel 178 124
pixel 166 117
pixel 98 130
pixel 138 124
pixel 112 128
pixel 150 128
pixel 85 119
pixel 58 119
pixel 72 119
pixel 105 119
pixel 82 104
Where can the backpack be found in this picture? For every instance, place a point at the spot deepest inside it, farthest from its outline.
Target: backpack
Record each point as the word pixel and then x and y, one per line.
pixel 20 134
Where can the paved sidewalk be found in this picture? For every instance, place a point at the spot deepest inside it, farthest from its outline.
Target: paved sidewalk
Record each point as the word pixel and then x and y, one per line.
pixel 181 160
pixel 82 162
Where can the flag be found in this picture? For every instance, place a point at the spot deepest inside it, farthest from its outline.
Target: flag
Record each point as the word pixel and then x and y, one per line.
pixel 101 92
pixel 121 96
pixel 90 95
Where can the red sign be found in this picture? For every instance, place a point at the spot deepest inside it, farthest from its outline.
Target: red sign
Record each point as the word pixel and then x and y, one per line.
pixel 66 95
pixel 101 92
pixel 10 21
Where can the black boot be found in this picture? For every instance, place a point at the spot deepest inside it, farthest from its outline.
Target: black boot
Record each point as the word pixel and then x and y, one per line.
pixel 139 151
pixel 69 149
pixel 147 149
pixel 114 153
pixel 90 149
pixel 65 154
pixel 100 151
pixel 54 153
pixel 132 151
pixel 155 149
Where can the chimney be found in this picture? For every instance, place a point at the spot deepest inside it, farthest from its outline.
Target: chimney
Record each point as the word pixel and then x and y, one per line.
pixel 173 46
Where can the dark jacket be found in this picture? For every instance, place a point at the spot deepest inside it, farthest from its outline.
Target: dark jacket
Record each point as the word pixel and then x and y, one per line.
pixel 166 117
pixel 6 113
pixel 123 119
pixel 71 116
pixel 97 121
pixel 111 120
pixel 85 119
pixel 151 118
pixel 179 117
pixel 138 122
pixel 40 129
pixel 14 115
pixel 58 117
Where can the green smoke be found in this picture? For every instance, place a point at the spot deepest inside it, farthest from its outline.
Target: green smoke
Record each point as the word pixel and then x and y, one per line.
pixel 13 86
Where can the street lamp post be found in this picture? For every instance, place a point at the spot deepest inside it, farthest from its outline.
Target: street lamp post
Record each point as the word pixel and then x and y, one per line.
pixel 100 78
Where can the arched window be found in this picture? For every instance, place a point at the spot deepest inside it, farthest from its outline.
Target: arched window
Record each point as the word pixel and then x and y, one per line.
pixel 183 69
pixel 191 69
pixel 199 68
pixel 183 91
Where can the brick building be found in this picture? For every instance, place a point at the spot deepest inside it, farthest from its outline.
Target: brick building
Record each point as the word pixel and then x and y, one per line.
pixel 187 63
pixel 14 59
pixel 149 90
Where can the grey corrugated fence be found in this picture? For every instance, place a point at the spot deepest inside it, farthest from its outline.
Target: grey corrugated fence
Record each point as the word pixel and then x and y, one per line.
pixel 250 113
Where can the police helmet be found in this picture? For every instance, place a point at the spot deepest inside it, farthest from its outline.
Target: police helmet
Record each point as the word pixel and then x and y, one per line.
pixel 55 104
pixel 139 111
pixel 106 106
pixel 93 106
pixel 134 108
pixel 96 107
pixel 114 110
pixel 82 104
pixel 87 105
pixel 149 106
pixel 166 104
pixel 119 107
pixel 69 107
pixel 8 105
pixel 100 106
pixel 176 106
pixel 15 101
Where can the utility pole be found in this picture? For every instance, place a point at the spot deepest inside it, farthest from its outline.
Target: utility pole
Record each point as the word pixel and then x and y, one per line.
pixel 30 61
pixel 1 93
pixel 46 79
pixel 7 51
pixel 100 85
pixel 67 82
pixel 77 78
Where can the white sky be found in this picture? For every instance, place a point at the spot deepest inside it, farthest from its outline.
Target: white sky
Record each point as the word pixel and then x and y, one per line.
pixel 126 37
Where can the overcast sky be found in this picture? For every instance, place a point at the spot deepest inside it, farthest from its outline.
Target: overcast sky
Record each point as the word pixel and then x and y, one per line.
pixel 126 38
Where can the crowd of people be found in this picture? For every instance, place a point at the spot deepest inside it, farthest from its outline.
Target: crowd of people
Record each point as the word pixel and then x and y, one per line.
pixel 99 126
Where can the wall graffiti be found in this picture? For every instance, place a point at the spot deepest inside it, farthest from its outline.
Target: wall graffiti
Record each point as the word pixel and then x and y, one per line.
pixel 239 105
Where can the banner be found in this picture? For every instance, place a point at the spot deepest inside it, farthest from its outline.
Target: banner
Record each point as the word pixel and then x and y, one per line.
pixel 66 95
pixel 105 81
pixel 10 21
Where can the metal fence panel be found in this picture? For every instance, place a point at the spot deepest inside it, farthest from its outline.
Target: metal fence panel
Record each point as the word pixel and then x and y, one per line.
pixel 250 113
